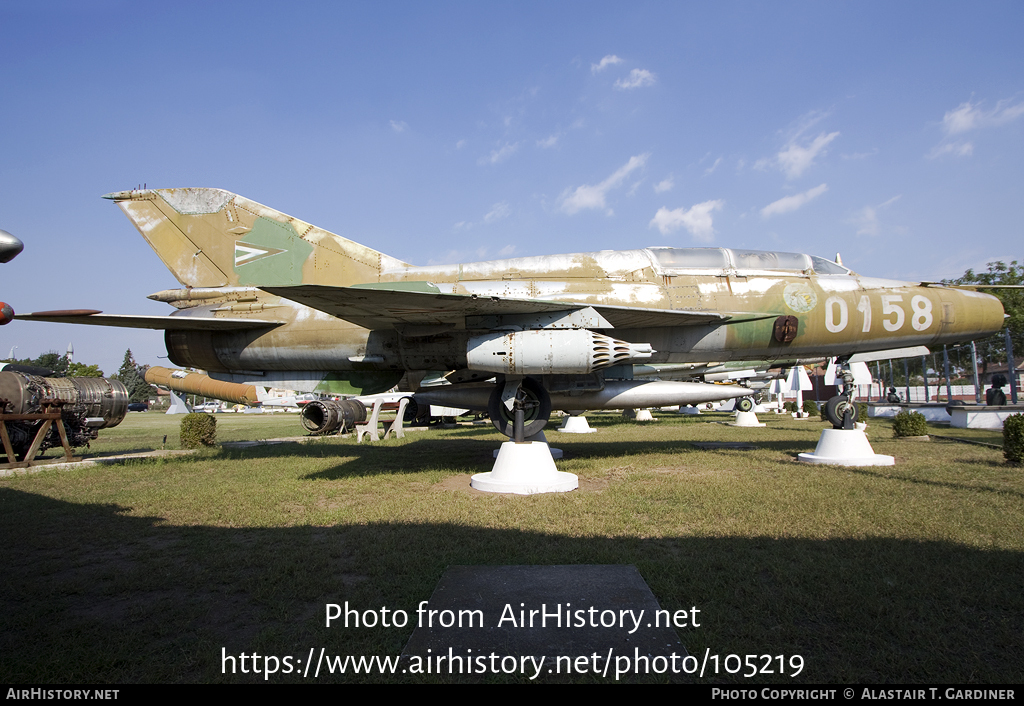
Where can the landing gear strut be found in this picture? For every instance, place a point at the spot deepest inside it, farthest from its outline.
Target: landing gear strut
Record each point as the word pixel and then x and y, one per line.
pixel 530 397
pixel 841 410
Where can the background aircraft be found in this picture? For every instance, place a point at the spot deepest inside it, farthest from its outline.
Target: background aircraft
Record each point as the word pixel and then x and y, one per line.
pixel 271 300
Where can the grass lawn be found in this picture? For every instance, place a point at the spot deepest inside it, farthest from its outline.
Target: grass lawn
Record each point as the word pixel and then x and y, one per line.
pixel 144 571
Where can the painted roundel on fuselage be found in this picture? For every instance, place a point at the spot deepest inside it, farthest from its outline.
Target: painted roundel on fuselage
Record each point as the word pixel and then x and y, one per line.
pixel 799 297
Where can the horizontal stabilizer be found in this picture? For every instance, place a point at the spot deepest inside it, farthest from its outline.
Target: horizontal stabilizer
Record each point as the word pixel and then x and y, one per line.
pixel 159 323
pixel 375 307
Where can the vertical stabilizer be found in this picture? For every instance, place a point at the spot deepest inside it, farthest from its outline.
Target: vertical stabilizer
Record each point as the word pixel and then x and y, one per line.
pixel 213 238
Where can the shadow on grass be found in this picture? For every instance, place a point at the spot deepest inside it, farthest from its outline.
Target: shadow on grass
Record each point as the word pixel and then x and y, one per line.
pixel 875 473
pixel 472 448
pixel 93 595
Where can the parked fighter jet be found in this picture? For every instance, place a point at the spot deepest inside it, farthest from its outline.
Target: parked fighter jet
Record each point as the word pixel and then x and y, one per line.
pixel 273 301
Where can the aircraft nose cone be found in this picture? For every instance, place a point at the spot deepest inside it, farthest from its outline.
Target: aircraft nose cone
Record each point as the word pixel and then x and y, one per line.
pixel 984 313
pixel 9 246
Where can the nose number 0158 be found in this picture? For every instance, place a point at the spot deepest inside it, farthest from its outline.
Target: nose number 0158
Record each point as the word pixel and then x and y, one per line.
pixel 837 314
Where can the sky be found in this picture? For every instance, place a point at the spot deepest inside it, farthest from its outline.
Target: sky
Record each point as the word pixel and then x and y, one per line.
pixel 437 132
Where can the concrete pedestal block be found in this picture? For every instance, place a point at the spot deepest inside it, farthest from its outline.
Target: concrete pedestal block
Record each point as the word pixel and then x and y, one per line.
pixel 576 425
pixel 845 447
pixel 747 419
pixel 525 469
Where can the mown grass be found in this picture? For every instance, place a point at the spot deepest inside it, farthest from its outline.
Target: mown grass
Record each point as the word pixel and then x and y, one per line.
pixel 142 572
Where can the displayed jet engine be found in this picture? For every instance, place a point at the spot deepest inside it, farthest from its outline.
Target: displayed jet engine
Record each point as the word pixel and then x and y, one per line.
pixel 326 416
pixel 86 406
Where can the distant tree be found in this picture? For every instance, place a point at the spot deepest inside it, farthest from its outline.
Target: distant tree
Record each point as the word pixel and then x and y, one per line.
pixel 132 376
pixel 994 349
pixel 57 362
pixel 81 370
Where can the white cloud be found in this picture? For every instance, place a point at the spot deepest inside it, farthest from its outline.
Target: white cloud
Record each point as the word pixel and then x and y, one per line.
pixel 957 149
pixel 592 196
pixel 460 144
pixel 507 251
pixel 500 154
pixel 697 220
pixel 860 155
pixel 792 203
pixel 637 79
pixel 794 159
pixel 664 185
pixel 866 219
pixel 713 167
pixel 606 61
pixel 399 126
pixel 970 116
pixel 548 142
pixel 497 212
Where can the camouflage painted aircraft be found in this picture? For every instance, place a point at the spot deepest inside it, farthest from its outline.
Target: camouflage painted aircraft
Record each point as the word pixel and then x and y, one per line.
pixel 271 300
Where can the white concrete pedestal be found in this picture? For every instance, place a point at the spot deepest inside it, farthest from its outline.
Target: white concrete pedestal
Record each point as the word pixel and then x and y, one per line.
pixel 688 409
pixel 525 469
pixel 845 447
pixel 576 425
pixel 644 415
pixel 539 436
pixel 747 419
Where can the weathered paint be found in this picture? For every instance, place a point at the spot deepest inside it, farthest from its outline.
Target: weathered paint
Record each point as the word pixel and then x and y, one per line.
pixel 217 243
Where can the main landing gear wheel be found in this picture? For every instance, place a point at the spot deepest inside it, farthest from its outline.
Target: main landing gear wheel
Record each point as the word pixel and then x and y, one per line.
pixel 835 410
pixel 536 409
pixel 744 404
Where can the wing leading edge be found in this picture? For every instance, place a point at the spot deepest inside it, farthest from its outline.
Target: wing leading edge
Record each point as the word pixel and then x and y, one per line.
pixel 381 306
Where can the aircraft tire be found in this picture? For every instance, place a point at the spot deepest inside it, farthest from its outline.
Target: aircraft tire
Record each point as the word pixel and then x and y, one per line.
pixel 835 408
pixel 537 412
pixel 744 404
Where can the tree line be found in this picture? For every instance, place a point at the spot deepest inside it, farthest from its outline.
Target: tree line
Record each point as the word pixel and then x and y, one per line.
pixel 131 374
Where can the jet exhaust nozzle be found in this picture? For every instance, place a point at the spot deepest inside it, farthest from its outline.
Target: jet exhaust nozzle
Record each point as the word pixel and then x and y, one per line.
pixel 326 416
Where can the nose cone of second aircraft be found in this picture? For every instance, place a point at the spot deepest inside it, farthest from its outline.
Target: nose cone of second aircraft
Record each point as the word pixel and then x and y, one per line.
pixel 9 246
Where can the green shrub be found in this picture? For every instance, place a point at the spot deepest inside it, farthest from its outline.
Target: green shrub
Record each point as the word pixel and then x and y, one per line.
pixel 789 406
pixel 862 412
pixel 197 430
pixel 811 407
pixel 1013 439
pixel 908 423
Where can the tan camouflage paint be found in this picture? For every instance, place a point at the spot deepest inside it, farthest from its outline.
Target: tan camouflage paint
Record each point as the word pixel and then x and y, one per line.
pixel 212 239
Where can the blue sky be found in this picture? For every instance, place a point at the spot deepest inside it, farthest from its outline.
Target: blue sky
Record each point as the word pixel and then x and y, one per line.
pixel 443 131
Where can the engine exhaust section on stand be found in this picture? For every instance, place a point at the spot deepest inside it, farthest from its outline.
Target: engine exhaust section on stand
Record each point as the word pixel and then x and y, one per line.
pixel 327 416
pixel 86 405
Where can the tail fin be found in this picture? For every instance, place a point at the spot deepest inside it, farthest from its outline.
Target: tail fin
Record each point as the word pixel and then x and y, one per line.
pixel 213 238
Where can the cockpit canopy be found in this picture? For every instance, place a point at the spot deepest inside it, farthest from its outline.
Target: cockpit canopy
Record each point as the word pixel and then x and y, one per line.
pixel 671 261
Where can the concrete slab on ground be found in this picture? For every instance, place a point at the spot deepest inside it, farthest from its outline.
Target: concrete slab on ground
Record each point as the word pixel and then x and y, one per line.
pixel 508 596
